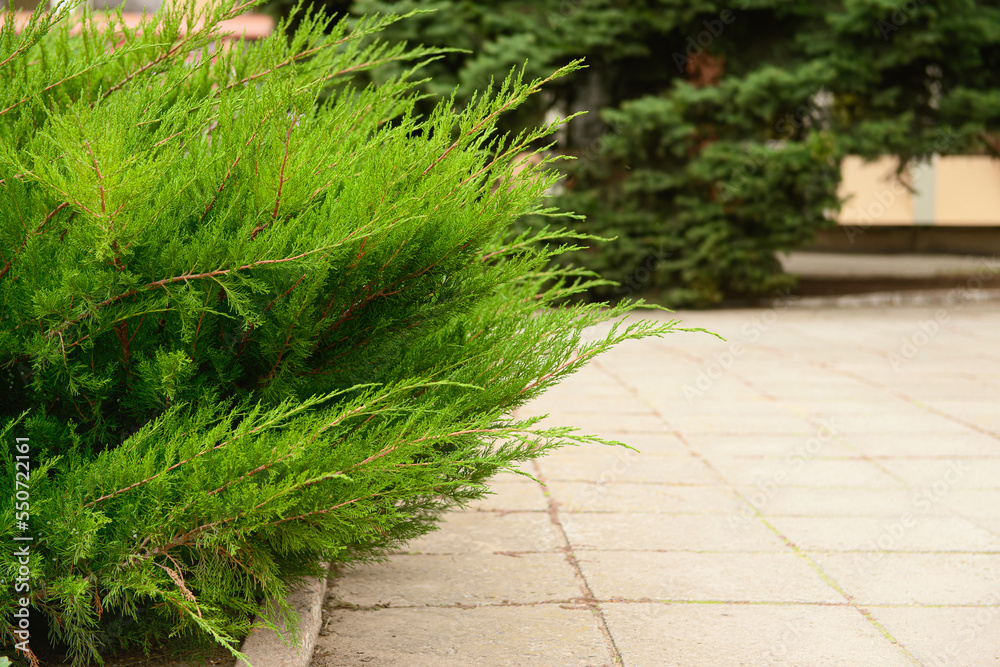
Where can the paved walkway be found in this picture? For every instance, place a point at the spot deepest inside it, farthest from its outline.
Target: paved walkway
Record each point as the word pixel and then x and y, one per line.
pixel 822 489
pixel 897 266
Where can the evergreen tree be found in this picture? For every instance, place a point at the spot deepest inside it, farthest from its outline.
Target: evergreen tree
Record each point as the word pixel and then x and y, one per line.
pixel 717 129
pixel 254 315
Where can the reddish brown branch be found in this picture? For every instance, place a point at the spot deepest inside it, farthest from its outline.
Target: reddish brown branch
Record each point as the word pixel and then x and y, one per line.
pixel 168 281
pixel 281 174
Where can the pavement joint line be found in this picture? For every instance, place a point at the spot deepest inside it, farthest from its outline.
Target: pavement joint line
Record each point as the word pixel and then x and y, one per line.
pixel 899 405
pixel 590 599
pixel 913 401
pixel 701 362
pixel 469 606
pixel 916 299
pixel 837 371
pixel 826 341
pixel 823 575
pixel 817 426
pixel 889 390
pixel 835 585
pixel 833 552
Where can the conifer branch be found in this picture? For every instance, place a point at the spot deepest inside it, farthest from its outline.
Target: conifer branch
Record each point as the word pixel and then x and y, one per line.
pixel 37 230
pixel 169 281
pixel 328 509
pixel 515 98
pixel 299 56
pixel 205 31
pixel 281 174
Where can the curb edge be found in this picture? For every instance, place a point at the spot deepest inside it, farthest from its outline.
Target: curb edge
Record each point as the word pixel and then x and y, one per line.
pixel 264 647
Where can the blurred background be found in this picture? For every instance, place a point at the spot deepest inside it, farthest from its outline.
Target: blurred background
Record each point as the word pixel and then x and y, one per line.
pixel 736 151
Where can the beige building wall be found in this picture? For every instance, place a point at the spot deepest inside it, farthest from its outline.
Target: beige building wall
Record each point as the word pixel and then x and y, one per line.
pixel 968 191
pixel 875 196
pixel 961 190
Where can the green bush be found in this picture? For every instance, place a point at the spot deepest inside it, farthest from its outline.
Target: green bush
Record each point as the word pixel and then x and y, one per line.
pixel 253 316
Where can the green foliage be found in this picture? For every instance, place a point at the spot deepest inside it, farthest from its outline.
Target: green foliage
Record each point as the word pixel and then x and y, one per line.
pixel 255 315
pixel 702 178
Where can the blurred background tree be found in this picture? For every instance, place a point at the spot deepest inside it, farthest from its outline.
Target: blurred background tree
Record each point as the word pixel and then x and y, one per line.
pixel 715 131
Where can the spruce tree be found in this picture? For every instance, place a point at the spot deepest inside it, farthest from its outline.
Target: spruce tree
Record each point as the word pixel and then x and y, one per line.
pixel 254 315
pixel 716 129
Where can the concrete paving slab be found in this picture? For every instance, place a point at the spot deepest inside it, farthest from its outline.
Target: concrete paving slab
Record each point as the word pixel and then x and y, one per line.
pixel 649 444
pixel 981 504
pixel 666 532
pixel 623 465
pixel 766 445
pixel 946 636
pixel 795 471
pixel 561 574
pixel 909 531
pixel 898 423
pixel 918 445
pixel 878 577
pixel 626 497
pixel 956 473
pixel 516 636
pixel 513 495
pixel 804 501
pixel 444 580
pixel 710 635
pixel 710 577
pixel 489 532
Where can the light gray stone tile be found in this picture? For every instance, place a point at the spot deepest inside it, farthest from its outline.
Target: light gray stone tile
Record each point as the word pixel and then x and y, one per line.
pixel 954 473
pixel 977 504
pixel 855 502
pixel 538 636
pixel 920 445
pixel 914 578
pixel 624 465
pixel 669 532
pixel 733 577
pixel 642 498
pixel 946 636
pixel 796 471
pixel 781 446
pixel 512 495
pixel 906 532
pixel 710 635
pixel 418 581
pixel 489 532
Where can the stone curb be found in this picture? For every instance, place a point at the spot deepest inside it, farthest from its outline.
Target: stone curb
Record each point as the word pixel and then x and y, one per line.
pixel 263 647
pixel 958 296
